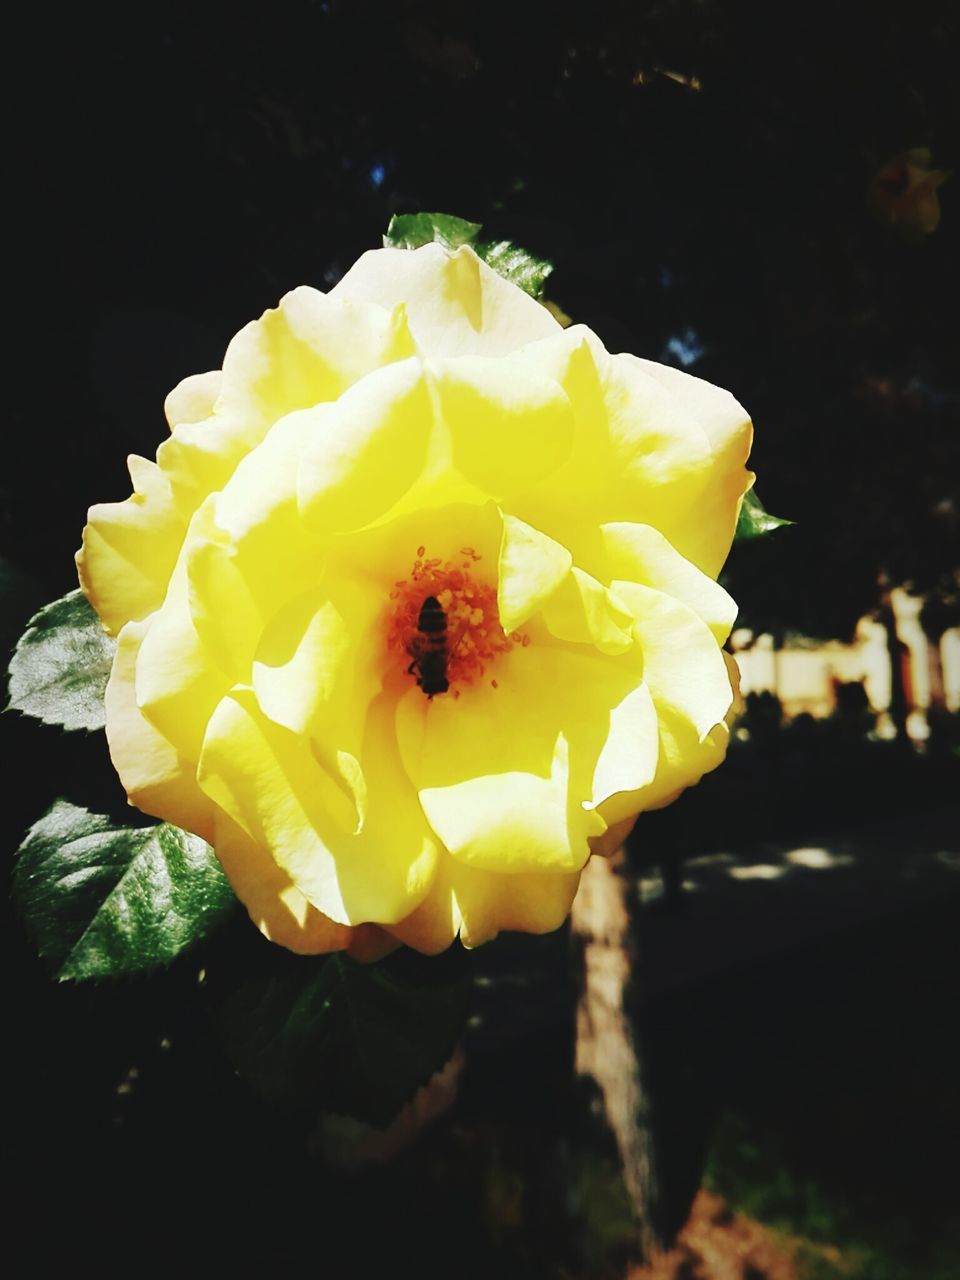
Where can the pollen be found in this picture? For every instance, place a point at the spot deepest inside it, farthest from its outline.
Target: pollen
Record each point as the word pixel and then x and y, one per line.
pixel 474 638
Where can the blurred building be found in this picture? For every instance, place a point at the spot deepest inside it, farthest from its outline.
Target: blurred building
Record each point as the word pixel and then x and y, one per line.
pixel 807 674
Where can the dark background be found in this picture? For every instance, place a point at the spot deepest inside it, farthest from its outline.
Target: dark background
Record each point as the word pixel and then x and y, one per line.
pixel 698 171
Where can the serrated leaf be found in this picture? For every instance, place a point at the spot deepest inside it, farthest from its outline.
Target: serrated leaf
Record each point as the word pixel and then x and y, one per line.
pixel 753 521
pixel 59 670
pixel 347 1038
pixel 411 230
pixel 516 265
pixel 102 900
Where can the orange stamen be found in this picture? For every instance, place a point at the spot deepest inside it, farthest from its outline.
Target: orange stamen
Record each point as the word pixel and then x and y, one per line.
pixel 474 636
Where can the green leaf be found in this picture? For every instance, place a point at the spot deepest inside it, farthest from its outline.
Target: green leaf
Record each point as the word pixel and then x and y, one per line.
pixel 337 1036
pixel 411 230
pixel 516 265
pixel 102 900
pixel 753 521
pixel 60 667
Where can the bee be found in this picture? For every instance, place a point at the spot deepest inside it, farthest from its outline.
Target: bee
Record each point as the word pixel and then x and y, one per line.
pixel 429 650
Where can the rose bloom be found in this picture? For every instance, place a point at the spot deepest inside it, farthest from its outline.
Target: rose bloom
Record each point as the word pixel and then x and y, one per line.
pixel 417 606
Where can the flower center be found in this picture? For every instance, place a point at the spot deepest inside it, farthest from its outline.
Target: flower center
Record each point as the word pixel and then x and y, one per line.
pixel 445 623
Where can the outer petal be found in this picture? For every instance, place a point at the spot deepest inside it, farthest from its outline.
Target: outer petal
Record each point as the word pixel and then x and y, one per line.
pixel 631 751
pixel 178 680
pixel 479 904
pixel 434 924
pixel 682 662
pixel 683 761
pixel 155 776
pixel 456 305
pixel 576 359
pixel 632 444
pixel 306 351
pixel 226 614
pixel 276 905
pixel 129 548
pixel 531 903
pixel 643 449
pixel 730 432
pixel 515 818
pixel 309 349
pixel 257 511
pixel 367 450
pixel 510 424
pixel 192 400
pixel 685 753
pixel 272 784
pixel 642 554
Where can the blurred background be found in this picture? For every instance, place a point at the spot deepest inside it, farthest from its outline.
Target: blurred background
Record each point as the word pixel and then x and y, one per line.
pixel 758 194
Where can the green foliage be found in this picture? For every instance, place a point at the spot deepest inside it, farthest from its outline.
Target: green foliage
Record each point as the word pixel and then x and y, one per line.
pixel 754 521
pixel 411 230
pixel 524 269
pixel 61 664
pixel 334 1035
pixel 521 268
pixel 103 900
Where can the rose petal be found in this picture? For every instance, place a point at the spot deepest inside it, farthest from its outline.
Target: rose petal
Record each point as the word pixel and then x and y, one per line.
pixel 683 761
pixel 584 611
pixel 320 660
pixel 192 399
pixel 730 433
pixel 642 554
pixel 272 784
pixel 537 575
pixel 532 567
pixel 667 450
pixel 178 682
pixel 682 663
pixel 129 548
pixel 155 775
pixel 507 776
pixel 308 350
pixel 456 305
pixel 631 751
pixel 530 902
pixel 225 612
pixel 371 448
pixel 276 906
pixel 510 424
pixel 479 904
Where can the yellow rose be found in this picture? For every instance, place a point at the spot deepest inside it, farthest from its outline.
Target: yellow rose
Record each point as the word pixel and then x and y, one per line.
pixel 417 606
